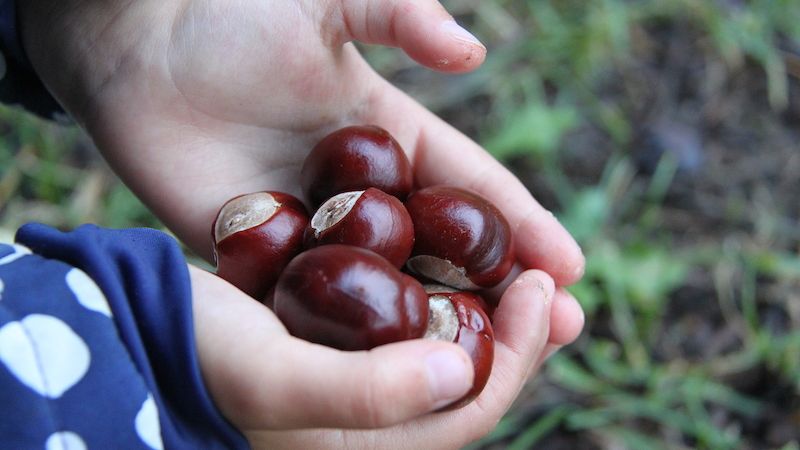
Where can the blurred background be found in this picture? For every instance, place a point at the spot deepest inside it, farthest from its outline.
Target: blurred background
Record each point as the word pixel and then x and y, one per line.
pixel 665 135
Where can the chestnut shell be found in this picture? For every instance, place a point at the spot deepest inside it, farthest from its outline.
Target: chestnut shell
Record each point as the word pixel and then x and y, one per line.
pixel 349 298
pixel 377 221
pixel 463 228
pixel 353 159
pixel 252 259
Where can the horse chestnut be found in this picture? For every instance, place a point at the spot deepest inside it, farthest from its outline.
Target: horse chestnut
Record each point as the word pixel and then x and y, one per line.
pixel 458 317
pixel 368 219
pixel 461 240
pixel 349 298
pixel 255 236
pixel 356 158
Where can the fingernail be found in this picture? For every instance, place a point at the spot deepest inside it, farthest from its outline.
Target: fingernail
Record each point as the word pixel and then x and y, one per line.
pixel 455 30
pixel 448 376
pixel 579 271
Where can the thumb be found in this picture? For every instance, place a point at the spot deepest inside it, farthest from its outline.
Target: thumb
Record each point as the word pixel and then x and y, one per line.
pixel 296 384
pixel 262 378
pixel 422 28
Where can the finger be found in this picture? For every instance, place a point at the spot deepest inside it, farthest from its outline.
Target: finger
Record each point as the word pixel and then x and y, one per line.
pixel 495 293
pixel 521 329
pixel 566 318
pixel 315 386
pixel 442 155
pixel 422 28
pixel 261 377
pixel 523 321
pixel 566 314
pixel 566 324
pixel 445 156
pixel 549 350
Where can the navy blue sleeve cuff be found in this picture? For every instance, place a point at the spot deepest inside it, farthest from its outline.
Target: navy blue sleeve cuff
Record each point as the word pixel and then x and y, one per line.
pixel 145 278
pixel 9 34
pixel 19 84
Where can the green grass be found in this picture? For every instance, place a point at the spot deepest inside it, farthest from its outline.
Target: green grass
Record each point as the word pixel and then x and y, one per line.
pixel 52 174
pixel 693 327
pixel 552 81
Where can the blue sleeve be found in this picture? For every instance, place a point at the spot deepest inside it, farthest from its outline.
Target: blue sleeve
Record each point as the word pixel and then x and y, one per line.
pixel 19 84
pixel 143 276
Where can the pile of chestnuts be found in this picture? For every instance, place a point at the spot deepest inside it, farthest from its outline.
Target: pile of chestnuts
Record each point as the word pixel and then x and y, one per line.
pixel 351 276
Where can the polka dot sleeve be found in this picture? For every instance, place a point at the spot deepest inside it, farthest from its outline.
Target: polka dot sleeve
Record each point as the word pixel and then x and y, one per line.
pixel 97 346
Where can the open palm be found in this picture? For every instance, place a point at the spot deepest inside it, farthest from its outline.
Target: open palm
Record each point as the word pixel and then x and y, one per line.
pixel 195 101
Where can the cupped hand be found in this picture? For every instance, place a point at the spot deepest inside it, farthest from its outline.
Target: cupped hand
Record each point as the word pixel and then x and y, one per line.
pixel 196 101
pixel 287 393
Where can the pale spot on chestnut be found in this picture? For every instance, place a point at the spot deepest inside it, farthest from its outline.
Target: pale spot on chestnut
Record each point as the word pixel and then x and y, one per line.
pixel 459 317
pixel 370 219
pixel 244 212
pixel 255 235
pixel 461 239
pixel 333 210
pixel 442 319
pixel 442 271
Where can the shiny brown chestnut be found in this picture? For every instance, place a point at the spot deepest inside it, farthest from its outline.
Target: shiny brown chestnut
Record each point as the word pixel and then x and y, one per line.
pixel 356 158
pixel 368 219
pixel 255 236
pixel 458 317
pixel 349 298
pixel 461 240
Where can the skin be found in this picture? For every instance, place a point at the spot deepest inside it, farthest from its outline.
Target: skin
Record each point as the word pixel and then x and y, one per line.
pixel 193 102
pixel 381 400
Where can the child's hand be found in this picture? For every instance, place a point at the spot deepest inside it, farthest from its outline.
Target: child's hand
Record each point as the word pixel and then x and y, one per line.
pixel 196 101
pixel 282 391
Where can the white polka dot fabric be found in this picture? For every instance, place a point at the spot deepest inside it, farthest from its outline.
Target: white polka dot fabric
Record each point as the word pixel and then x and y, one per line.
pixel 86 292
pixel 147 425
pixel 13 253
pixel 117 364
pixel 65 440
pixel 44 354
pixel 63 367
